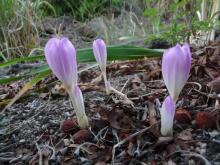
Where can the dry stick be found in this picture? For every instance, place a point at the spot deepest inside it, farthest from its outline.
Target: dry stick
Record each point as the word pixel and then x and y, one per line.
pixel 212 96
pixel 126 139
pixel 125 84
pixel 188 153
pixel 40 154
pixel 198 156
pixel 99 134
pixel 127 100
pixel 77 150
pixel 148 94
pixel 53 151
pixel 196 83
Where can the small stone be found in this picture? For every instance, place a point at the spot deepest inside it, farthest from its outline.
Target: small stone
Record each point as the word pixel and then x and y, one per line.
pixel 197 149
pixel 191 162
pixel 66 142
pixel 203 151
pixel 203 145
pixel 22 141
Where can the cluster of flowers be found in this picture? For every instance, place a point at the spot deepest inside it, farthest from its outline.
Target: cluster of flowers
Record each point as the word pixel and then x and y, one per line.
pixel 61 57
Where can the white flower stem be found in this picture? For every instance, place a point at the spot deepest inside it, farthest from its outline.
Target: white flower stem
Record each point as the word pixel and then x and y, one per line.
pixel 79 110
pixel 110 89
pixel 167 130
pixel 107 84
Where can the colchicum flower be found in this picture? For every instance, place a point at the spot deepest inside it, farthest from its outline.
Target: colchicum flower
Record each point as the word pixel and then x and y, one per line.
pixel 61 57
pixel 176 65
pixel 100 53
pixel 167 116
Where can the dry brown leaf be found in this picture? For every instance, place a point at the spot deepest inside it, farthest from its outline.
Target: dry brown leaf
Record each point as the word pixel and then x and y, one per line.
pixel 205 120
pixel 182 116
pixel 215 85
pixel 82 136
pixel 185 135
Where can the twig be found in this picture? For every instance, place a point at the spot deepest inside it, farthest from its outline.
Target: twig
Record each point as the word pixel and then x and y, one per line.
pixel 126 140
pixel 133 90
pixel 215 140
pixel 212 96
pixel 95 136
pixel 3 159
pixel 53 152
pixel 148 94
pixel 122 89
pixel 40 154
pixel 197 84
pixel 126 99
pixel 198 156
pixel 191 154
pixel 76 152
pixel 99 136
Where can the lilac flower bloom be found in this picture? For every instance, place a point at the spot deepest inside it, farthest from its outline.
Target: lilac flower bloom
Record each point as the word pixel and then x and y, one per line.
pixel 61 57
pixel 176 65
pixel 100 53
pixel 167 116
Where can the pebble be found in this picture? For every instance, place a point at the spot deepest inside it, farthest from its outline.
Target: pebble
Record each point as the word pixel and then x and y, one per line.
pixel 22 141
pixel 203 151
pixel 66 142
pixel 191 162
pixel 203 145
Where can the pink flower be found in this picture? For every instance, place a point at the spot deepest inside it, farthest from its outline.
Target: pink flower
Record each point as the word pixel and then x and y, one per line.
pixel 100 53
pixel 176 65
pixel 61 57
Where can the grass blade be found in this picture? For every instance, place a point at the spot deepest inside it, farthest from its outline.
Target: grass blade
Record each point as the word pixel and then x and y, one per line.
pixel 33 72
pixel 28 86
pixel 35 80
pixel 122 52
pixel 21 59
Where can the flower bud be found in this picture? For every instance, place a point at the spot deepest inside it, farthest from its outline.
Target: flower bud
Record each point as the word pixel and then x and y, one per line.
pixel 176 64
pixel 61 57
pixel 100 53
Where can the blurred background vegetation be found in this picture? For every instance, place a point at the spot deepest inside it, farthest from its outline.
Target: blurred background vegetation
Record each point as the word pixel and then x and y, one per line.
pixel 130 25
pixel 158 22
